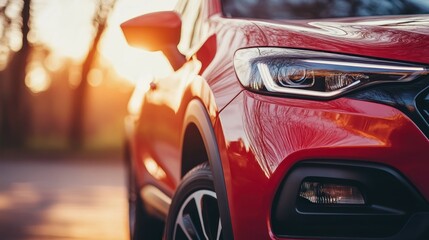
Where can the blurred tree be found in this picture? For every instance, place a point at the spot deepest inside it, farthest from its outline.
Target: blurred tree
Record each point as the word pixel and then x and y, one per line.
pixel 14 122
pixel 101 15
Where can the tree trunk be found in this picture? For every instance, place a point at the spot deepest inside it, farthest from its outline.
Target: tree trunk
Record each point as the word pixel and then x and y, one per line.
pixel 14 107
pixel 76 134
pixel 80 94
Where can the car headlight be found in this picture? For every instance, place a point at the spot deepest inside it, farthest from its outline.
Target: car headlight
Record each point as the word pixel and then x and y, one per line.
pixel 315 74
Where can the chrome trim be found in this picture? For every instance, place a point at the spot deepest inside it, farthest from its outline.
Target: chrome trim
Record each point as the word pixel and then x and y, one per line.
pixel 155 198
pixel 366 65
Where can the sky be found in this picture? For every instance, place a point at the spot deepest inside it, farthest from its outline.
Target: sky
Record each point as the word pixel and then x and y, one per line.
pixel 65 27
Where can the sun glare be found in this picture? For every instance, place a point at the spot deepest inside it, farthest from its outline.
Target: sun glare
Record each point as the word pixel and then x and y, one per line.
pixel 132 63
pixel 37 80
pixel 66 28
pixel 95 77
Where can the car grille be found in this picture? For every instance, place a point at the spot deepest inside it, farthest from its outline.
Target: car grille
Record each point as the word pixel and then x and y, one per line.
pixel 425 108
pixel 422 103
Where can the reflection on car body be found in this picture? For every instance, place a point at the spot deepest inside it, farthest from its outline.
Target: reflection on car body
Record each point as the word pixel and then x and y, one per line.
pixel 283 120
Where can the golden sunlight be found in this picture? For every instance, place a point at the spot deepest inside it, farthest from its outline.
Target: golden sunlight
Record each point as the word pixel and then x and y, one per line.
pixel 66 28
pixel 131 63
pixel 37 80
pixel 95 77
pixel 141 87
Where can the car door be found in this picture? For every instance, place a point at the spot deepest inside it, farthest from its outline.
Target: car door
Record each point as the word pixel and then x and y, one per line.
pixel 163 109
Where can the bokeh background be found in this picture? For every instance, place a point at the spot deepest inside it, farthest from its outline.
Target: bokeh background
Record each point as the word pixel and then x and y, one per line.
pixel 67 73
pixel 66 78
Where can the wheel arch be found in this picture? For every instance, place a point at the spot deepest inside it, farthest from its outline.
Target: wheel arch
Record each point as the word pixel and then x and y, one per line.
pixel 198 130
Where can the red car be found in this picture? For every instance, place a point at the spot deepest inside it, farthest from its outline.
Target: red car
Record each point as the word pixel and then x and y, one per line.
pixel 283 119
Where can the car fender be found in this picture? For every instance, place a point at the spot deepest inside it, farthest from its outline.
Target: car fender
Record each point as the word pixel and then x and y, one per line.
pixel 196 114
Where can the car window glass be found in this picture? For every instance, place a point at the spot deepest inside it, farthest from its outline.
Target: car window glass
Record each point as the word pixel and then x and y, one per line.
pixel 191 24
pixel 314 9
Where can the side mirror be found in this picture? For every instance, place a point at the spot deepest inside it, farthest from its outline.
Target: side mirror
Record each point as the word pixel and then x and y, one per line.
pixel 159 31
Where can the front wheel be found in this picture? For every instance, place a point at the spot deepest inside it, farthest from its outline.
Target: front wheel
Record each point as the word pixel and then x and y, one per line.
pixel 194 212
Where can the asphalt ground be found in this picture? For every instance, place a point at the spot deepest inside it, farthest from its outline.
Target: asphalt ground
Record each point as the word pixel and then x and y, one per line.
pixel 62 198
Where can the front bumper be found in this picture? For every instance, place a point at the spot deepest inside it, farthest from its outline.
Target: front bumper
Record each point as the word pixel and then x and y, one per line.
pixel 262 138
pixel 390 202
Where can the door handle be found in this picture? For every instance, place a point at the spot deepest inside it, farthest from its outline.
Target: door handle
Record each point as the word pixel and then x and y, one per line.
pixel 153 86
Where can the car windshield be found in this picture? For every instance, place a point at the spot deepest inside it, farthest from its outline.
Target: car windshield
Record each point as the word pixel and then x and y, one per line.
pixel 314 9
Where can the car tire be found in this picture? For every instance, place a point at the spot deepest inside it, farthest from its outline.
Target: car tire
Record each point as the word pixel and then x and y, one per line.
pixel 194 212
pixel 142 226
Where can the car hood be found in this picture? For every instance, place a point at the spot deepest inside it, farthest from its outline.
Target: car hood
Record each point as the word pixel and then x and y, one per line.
pixel 398 38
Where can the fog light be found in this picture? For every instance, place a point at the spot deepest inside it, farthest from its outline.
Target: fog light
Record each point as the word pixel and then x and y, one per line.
pixel 330 193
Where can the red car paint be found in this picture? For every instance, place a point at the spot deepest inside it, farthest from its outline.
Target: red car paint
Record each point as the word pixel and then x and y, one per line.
pixel 273 138
pixel 261 137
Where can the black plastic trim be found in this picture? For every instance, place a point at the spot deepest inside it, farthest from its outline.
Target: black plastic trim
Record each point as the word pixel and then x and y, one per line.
pixel 422 104
pixel 409 98
pixel 196 114
pixel 391 203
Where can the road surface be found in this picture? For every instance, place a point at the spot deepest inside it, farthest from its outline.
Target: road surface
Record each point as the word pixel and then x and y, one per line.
pixel 64 198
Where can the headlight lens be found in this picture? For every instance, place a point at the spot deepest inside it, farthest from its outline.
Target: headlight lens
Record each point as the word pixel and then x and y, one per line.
pixel 315 74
